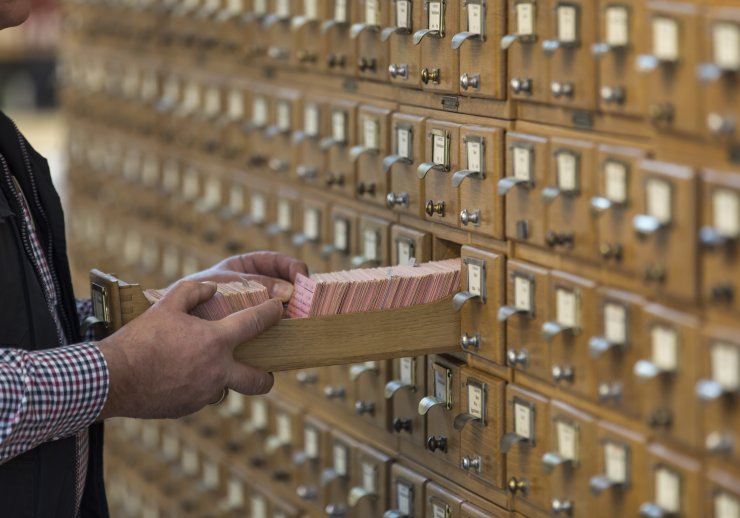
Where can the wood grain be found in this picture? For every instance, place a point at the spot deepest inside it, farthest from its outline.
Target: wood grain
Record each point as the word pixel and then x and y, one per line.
pixel 331 340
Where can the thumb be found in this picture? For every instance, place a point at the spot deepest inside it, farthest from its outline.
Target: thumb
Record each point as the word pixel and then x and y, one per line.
pixel 248 380
pixel 243 325
pixel 186 295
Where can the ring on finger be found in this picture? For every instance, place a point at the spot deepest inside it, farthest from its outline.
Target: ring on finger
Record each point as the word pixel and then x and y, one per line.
pixel 222 397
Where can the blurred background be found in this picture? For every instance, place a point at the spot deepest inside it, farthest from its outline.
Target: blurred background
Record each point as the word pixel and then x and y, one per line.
pixel 28 81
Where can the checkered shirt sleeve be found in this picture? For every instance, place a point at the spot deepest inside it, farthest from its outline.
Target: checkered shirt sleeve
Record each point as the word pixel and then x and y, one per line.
pixel 84 310
pixel 47 395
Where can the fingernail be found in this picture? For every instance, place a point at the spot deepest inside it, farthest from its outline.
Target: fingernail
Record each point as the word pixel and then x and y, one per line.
pixel 210 283
pixel 282 290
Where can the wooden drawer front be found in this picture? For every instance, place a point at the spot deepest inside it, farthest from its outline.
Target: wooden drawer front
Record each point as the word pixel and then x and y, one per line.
pixel 406 190
pixel 482 288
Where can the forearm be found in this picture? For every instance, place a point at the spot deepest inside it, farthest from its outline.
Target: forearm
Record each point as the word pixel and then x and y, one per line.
pixel 49 394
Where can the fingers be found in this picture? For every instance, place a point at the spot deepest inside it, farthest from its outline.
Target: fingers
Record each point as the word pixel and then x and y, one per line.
pixel 272 264
pixel 214 275
pixel 249 380
pixel 185 295
pixel 277 288
pixel 239 327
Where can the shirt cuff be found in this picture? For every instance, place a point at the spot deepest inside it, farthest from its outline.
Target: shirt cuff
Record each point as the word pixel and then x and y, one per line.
pixel 68 389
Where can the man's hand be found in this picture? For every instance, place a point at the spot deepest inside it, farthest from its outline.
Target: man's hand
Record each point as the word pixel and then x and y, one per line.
pixel 167 363
pixel 273 270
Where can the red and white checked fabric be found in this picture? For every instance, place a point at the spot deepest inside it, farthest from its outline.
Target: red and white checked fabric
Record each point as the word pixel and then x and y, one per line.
pixel 48 395
pixel 51 394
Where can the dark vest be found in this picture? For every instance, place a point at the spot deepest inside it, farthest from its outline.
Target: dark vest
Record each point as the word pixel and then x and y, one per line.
pixel 41 482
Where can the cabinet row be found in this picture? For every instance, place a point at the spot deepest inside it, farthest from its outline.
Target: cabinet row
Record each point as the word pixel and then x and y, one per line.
pixel 674 64
pixel 669 225
pixel 550 459
pixel 672 372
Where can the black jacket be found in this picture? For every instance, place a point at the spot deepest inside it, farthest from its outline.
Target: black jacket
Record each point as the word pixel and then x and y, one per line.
pixel 39 483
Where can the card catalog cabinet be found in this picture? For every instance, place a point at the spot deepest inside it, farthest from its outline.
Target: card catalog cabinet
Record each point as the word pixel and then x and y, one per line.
pixel 580 158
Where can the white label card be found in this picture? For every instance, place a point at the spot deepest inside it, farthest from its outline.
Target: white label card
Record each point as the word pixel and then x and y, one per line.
pixel 310 9
pixel 189 461
pixel 340 459
pixel 369 477
pixel 284 214
pixel 523 420
pixel 615 181
pixel 341 234
pixel 213 101
pixel 615 462
pixel 282 8
pixel 236 198
pixel 171 176
pixel 567 23
pixel 474 152
pixel 211 477
pixel 440 510
pixel 404 252
pixel 311 120
pixel 258 207
pixel 150 171
pixel 476 399
pixel 191 99
pixel 190 184
pixel 435 16
pixel 522 163
pixel 441 387
pixel 523 293
pixel 340 11
pixel 475 18
pixel 439 149
pixel 659 202
pixel 403 14
pixel 371 245
pixel 259 413
pixel 259 111
pixel 339 126
pixel 567 171
pixel 171 262
pixel 284 428
pixel 568 308
pixel 311 442
pixel 726 45
pixel 726 506
pixel 664 346
pixel 726 212
pixel 311 223
pixel 726 365
pixel 213 192
pixel 235 404
pixel 258 506
pixel 475 279
pixel 668 490
pixel 235 494
pixel 525 16
pixel 665 39
pixel 259 6
pixel 617 26
pixel 567 436
pixel 235 7
pixel 615 323
pixel 407 368
pixel 403 142
pixel 405 498
pixel 372 12
pixel 150 435
pixel 236 104
pixel 370 132
pixel 283 115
